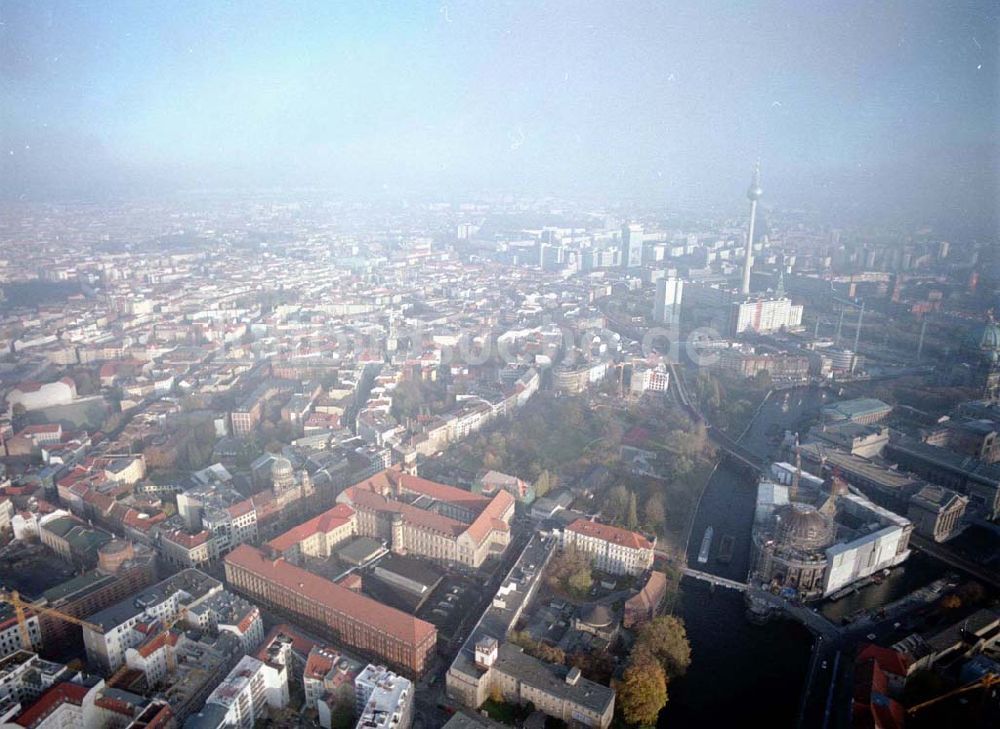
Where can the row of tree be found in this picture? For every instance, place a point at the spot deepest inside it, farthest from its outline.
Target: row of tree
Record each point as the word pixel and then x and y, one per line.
pixel 622 507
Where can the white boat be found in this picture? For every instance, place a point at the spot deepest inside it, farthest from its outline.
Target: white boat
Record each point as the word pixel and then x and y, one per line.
pixel 706 544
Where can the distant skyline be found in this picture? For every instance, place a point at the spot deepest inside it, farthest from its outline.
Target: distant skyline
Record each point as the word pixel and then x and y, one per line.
pixel 852 107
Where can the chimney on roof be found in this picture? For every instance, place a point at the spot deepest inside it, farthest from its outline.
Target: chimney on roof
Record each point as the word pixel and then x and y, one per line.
pixel 573 676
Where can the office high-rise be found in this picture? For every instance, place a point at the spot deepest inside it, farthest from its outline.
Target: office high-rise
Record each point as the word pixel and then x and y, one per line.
pixel 632 246
pixel 667 302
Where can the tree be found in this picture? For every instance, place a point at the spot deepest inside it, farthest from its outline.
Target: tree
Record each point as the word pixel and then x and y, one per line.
pixel 971 593
pixel 632 520
pixel 617 505
pixel 951 602
pixel 342 713
pixel 550 653
pixel 570 571
pixel 543 485
pixel 642 693
pixel 762 379
pixel 580 582
pixel 496 694
pixel 654 512
pixel 665 638
pixel 596 666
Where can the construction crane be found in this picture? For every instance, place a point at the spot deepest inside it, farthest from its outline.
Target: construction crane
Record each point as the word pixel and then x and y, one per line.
pixel 21 609
pixel 987 681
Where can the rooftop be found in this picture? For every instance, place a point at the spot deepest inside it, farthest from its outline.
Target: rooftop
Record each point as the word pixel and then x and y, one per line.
pixel 194 584
pixel 318 589
pixel 551 679
pixel 608 533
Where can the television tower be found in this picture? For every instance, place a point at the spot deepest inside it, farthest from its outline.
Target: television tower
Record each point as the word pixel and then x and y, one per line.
pixel 753 194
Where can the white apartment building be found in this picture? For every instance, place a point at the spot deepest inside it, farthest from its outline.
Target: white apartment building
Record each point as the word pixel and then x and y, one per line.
pixel 383 700
pixel 161 603
pixel 766 315
pixel 613 550
pixel 244 696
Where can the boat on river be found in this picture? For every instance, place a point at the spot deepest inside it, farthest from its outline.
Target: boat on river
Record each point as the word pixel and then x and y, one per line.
pixel 706 545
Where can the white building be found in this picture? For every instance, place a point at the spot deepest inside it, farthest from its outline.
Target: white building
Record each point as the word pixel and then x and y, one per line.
pixel 244 696
pixel 632 240
pixel 383 700
pixel 649 379
pixel 24 676
pixel 36 395
pixel 10 632
pixel 868 553
pixel 612 549
pixel 124 624
pixel 766 315
pixel 667 302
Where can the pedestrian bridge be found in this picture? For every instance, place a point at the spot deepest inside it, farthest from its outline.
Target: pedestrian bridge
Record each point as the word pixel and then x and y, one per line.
pixel 715 579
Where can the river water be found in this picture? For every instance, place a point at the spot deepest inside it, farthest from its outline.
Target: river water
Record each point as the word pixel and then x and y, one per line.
pixel 739 671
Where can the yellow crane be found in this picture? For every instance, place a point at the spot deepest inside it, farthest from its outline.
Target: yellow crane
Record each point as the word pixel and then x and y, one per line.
pixel 987 681
pixel 21 609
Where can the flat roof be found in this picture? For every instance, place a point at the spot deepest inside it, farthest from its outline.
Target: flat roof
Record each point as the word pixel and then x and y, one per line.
pixel 191 581
pixel 498 618
pixel 551 678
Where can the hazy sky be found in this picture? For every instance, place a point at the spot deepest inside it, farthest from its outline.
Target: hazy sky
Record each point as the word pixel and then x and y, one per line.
pixel 878 102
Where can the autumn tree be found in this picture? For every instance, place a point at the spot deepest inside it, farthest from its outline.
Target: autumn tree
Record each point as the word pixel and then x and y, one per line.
pixel 617 504
pixel 642 692
pixel 580 582
pixel 550 653
pixel 632 519
pixel 654 512
pixel 570 571
pixel 951 602
pixel 665 638
pixel 544 484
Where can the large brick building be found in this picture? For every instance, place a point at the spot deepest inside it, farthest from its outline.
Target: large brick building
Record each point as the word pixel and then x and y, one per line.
pixel 367 626
pixel 421 517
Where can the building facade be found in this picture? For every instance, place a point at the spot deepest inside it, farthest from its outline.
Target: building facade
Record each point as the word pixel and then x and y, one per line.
pixel 357 621
pixel 613 550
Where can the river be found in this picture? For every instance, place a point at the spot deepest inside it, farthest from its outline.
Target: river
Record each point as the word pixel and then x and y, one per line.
pixel 738 669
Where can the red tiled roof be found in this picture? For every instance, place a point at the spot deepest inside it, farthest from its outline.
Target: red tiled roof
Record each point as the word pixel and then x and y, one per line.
pixel 351 581
pixel 301 643
pixel 167 637
pixel 872 708
pixel 325 522
pixel 240 508
pixel 188 541
pixel 363 499
pixel 41 428
pixel 61 693
pixel 398 481
pixel 609 533
pixel 650 594
pixel 491 518
pixel 318 665
pixel 315 588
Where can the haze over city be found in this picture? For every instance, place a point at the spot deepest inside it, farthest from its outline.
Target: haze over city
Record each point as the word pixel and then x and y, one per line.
pixel 883 107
